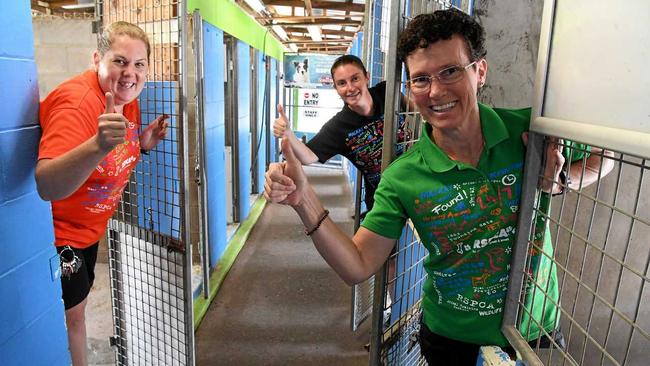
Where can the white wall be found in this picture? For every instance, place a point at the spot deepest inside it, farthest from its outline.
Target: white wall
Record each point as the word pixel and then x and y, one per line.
pixel 512 38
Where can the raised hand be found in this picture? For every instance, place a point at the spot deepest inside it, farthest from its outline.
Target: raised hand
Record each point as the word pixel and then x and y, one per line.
pixel 154 133
pixel 112 127
pixel 285 182
pixel 553 164
pixel 281 125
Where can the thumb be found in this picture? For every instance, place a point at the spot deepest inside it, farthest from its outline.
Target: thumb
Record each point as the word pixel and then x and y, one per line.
pixel 287 151
pixel 524 138
pixel 110 104
pixel 281 112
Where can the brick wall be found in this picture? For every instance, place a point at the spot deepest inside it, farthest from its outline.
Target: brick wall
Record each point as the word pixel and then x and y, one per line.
pixel 62 48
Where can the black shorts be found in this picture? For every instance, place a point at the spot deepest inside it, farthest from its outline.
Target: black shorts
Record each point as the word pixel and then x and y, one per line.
pixel 77 287
pixel 439 350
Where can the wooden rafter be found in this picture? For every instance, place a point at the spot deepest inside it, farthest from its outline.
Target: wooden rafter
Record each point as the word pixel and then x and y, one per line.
pixel 323 42
pixel 297 18
pixel 321 22
pixel 327 5
pixel 325 32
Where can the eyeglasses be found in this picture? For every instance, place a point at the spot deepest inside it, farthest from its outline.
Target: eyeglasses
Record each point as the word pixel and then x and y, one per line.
pixel 450 75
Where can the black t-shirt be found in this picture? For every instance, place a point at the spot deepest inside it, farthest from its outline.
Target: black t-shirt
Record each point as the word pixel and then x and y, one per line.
pixel 359 139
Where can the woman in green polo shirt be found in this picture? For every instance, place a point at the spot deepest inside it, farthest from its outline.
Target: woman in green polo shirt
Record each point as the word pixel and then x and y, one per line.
pixel 460 185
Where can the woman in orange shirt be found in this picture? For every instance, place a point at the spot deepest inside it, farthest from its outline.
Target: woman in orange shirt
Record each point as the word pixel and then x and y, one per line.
pixel 89 146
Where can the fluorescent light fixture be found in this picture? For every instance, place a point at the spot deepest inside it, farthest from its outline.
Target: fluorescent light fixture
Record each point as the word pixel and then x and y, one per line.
pixel 256 5
pixel 315 33
pixel 280 32
pixel 293 47
pixel 77 6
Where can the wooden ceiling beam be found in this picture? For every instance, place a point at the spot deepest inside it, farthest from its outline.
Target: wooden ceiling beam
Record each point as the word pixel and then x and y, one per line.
pixel 323 42
pixel 331 32
pixel 299 18
pixel 326 5
pixel 319 22
pixel 307 7
pixel 59 3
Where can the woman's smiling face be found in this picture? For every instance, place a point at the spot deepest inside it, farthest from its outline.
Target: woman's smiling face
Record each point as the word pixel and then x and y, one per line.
pixel 351 84
pixel 122 70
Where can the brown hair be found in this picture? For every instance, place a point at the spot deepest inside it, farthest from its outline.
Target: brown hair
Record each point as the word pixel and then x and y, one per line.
pixel 121 28
pixel 348 60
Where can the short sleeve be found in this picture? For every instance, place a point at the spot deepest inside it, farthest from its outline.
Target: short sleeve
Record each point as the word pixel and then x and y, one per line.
pixel 64 129
pixel 327 142
pixel 388 215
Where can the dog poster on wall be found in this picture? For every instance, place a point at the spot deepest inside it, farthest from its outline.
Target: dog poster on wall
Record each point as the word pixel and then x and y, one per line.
pixel 308 71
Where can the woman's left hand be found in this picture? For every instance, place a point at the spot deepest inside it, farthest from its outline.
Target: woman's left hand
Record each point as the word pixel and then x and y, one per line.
pixel 156 131
pixel 553 166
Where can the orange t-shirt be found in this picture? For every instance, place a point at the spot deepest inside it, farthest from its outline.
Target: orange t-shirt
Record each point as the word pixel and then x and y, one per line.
pixel 68 117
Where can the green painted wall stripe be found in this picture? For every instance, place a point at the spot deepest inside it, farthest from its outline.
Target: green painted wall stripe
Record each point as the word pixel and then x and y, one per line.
pixel 230 18
pixel 295 109
pixel 235 245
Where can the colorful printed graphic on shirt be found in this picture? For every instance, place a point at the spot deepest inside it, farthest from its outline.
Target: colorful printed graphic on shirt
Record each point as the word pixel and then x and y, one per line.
pixel 106 183
pixel 470 228
pixel 365 144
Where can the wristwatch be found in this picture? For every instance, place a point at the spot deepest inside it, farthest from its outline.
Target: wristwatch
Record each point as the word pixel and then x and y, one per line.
pixel 565 180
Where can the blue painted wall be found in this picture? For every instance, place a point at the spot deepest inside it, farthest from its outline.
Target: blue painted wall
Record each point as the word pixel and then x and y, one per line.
pixel 244 128
pixel 32 323
pixel 215 142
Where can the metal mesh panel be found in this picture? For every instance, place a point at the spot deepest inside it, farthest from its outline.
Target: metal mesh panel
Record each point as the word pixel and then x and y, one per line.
pixel 148 259
pixel 401 316
pixel 601 258
pixel 374 53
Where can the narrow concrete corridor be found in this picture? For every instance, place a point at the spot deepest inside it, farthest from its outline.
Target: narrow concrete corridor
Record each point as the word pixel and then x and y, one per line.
pixel 281 304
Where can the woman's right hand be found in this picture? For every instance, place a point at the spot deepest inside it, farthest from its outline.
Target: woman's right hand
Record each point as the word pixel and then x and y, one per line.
pixel 112 127
pixel 281 125
pixel 285 182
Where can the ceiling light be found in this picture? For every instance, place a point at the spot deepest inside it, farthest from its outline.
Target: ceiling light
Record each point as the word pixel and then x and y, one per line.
pixel 315 33
pixel 280 32
pixel 293 47
pixel 77 6
pixel 255 5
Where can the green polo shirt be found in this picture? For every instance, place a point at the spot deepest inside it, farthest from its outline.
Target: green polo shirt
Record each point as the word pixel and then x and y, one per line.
pixel 466 217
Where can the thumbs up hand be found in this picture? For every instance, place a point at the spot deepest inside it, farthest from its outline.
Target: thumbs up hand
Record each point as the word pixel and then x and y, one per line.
pixel 285 182
pixel 111 127
pixel 281 126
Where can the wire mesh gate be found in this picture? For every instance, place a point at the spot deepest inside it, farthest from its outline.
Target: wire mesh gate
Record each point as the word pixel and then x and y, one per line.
pixel 600 233
pixel 601 260
pixel 149 255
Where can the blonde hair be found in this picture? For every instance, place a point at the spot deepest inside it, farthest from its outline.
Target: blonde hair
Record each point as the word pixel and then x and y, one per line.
pixel 121 28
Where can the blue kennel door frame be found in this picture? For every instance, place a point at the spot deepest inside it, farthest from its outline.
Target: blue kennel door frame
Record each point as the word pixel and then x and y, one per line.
pixel 244 128
pixel 273 109
pixel 215 140
pixel 262 120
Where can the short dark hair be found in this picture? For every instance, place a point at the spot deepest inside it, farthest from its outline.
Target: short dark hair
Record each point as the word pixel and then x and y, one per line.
pixel 429 28
pixel 347 60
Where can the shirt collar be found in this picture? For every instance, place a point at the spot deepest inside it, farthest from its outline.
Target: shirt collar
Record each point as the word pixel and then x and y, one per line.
pixel 492 126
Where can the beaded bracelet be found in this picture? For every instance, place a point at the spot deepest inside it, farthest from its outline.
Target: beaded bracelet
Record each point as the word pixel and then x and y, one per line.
pixel 325 214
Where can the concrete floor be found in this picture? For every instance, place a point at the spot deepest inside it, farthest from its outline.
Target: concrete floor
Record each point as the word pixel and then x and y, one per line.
pixel 99 319
pixel 281 304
